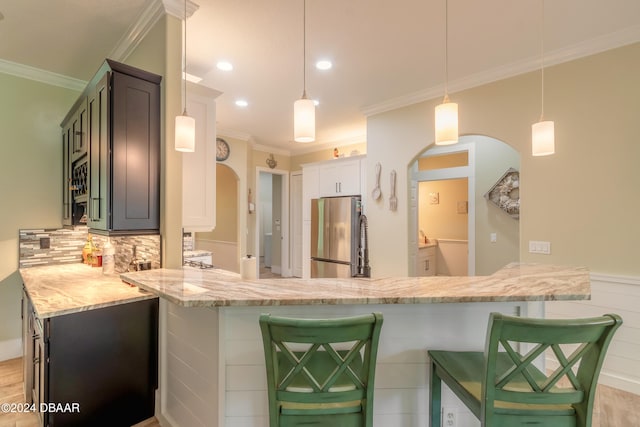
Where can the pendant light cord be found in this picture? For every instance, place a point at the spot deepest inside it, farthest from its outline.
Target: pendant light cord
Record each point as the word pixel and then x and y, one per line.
pixel 304 49
pixel 542 59
pixel 446 51
pixel 184 76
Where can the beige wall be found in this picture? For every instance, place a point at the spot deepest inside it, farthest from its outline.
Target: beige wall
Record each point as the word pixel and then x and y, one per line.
pixel 30 177
pixel 579 199
pixel 441 220
pixel 227 214
pixel 493 159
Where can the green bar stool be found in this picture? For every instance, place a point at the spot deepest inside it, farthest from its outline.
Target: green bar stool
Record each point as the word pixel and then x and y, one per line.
pixel 321 372
pixel 503 387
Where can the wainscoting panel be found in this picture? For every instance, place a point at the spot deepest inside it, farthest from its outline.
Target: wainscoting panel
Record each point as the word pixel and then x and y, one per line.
pixel 612 294
pixel 225 254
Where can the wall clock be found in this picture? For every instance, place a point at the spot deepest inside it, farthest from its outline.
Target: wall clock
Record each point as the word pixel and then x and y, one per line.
pixel 222 150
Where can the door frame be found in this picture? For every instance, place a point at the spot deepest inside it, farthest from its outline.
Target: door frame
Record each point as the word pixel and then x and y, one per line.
pixel 284 223
pixel 468 172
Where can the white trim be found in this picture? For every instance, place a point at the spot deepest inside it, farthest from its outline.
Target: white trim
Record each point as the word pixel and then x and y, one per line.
pixel 176 7
pixel 10 349
pixel 284 225
pixel 593 46
pixel 36 74
pixel 137 31
pixel 625 280
pixel 449 173
pixel 268 149
pixel 222 132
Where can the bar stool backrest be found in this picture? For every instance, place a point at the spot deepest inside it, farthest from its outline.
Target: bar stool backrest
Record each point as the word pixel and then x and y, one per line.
pixel 320 370
pixel 578 345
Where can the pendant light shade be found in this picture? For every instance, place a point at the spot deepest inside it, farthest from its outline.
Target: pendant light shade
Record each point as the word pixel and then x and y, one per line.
pixel 446 123
pixel 304 110
pixel 543 132
pixel 304 120
pixel 542 138
pixel 185 137
pixel 446 119
pixel 185 133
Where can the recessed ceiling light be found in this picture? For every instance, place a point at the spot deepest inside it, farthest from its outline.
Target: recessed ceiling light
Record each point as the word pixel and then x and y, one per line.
pixel 242 103
pixel 324 64
pixel 224 66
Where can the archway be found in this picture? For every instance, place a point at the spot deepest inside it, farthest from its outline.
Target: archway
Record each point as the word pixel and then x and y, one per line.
pixel 492 235
pixel 223 241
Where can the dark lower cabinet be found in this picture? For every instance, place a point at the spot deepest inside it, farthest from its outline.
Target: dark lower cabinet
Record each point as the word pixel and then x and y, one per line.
pixel 98 367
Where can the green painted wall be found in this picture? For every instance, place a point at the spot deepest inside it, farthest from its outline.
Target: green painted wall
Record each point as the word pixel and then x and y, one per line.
pixel 30 177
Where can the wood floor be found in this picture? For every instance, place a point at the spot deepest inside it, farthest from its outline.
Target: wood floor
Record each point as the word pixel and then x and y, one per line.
pixel 613 408
pixel 11 391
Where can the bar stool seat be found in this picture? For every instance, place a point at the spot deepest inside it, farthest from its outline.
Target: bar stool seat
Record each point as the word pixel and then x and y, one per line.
pixel 320 372
pixel 502 385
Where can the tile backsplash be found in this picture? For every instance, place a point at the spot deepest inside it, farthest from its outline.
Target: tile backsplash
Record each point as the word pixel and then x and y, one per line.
pixel 65 247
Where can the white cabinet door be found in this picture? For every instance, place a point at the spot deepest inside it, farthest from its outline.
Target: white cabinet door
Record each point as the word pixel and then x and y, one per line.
pixel 340 178
pixel 199 167
pixel 426 265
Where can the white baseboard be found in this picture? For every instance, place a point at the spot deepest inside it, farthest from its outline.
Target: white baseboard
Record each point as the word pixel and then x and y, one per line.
pixel 10 349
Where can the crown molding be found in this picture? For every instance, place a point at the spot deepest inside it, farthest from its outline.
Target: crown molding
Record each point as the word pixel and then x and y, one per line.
pixel 154 11
pixel 593 46
pixel 231 133
pixel 270 149
pixel 32 73
pixel 176 8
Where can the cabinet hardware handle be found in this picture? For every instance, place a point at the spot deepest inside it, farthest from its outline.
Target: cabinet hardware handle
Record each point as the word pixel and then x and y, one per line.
pixel 426 265
pixel 36 360
pixel 35 336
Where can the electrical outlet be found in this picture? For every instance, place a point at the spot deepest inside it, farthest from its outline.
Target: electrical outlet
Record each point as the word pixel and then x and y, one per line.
pixel 537 247
pixel 45 243
pixel 449 417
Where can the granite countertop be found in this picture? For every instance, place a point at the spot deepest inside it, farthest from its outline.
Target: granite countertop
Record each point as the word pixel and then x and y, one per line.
pixel 219 288
pixel 71 288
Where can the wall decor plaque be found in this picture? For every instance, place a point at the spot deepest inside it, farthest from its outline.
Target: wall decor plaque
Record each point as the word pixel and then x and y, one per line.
pixel 505 193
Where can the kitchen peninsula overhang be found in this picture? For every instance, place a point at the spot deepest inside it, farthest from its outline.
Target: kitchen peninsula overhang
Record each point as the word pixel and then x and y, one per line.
pixel 218 288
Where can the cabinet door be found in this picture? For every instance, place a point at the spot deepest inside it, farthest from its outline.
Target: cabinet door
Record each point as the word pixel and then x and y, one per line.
pixel 426 265
pixel 66 177
pixel 99 173
pixel 79 130
pixel 135 144
pixel 341 178
pixel 199 168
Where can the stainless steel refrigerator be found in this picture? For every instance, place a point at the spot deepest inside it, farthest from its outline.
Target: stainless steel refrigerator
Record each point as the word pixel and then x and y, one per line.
pixel 335 236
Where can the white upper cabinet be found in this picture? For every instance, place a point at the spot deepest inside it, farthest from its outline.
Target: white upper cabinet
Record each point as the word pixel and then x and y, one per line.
pixel 340 177
pixel 199 167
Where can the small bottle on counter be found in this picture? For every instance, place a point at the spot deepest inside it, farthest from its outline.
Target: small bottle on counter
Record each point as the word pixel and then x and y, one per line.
pixel 108 258
pixel 87 250
pixel 96 256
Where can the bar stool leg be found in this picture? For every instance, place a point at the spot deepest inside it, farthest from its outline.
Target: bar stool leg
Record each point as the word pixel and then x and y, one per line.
pixel 435 398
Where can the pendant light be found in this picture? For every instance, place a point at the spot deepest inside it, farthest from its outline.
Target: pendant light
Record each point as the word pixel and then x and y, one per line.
pixel 543 132
pixel 304 110
pixel 185 140
pixel 447 112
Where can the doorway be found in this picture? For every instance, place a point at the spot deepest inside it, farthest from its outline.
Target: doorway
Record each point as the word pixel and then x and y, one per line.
pixel 493 237
pixel 223 241
pixel 272 223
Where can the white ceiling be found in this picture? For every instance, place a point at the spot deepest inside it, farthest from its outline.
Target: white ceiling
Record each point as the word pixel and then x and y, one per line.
pixel 386 53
